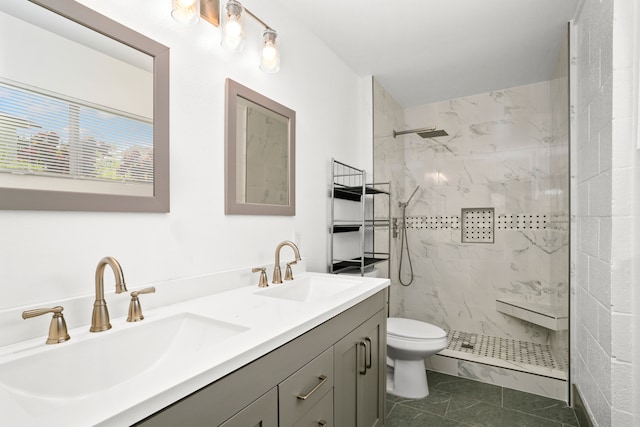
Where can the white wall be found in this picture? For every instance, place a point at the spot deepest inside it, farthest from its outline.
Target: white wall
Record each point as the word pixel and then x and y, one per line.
pixel 46 256
pixel 606 213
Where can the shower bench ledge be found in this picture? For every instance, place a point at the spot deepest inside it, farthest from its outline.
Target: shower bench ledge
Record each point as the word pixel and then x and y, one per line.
pixel 539 314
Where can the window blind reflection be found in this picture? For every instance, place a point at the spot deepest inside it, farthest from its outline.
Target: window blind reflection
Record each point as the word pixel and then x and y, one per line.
pixel 48 135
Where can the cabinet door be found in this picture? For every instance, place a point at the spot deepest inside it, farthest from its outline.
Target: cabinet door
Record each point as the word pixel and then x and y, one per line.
pixel 261 413
pixel 371 387
pixel 359 384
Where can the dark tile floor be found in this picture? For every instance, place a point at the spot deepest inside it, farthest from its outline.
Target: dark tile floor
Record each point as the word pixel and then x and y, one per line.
pixel 459 402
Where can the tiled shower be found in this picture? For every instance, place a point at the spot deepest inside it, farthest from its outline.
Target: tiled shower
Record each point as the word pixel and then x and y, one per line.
pixel 487 230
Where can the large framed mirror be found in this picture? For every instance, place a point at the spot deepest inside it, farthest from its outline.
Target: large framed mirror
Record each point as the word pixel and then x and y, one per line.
pixel 259 154
pixel 84 111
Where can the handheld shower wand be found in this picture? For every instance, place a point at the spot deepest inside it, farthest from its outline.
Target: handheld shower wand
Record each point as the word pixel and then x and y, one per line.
pixel 404 242
pixel 404 205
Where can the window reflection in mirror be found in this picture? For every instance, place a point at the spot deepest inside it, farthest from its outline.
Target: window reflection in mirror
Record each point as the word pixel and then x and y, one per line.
pixel 52 142
pixel 79 113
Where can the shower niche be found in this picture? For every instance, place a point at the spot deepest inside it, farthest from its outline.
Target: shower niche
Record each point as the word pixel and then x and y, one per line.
pixel 354 217
pixel 477 225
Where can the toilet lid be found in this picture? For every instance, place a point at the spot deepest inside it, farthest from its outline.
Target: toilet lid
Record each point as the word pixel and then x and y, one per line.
pixel 409 328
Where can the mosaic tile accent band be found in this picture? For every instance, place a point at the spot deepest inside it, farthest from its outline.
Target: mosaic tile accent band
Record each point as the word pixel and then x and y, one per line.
pixel 522 222
pixel 521 352
pixel 503 222
pixel 433 222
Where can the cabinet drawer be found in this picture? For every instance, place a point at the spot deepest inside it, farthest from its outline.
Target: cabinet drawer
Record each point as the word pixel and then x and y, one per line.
pixel 320 415
pixel 306 387
pixel 263 412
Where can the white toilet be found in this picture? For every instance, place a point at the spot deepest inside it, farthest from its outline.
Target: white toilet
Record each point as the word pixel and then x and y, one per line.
pixel 409 342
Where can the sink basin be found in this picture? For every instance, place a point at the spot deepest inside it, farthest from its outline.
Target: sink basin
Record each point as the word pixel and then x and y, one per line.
pixel 311 288
pixel 77 369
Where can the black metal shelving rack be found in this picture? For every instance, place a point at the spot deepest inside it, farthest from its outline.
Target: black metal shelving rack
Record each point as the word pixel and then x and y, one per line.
pixel 349 183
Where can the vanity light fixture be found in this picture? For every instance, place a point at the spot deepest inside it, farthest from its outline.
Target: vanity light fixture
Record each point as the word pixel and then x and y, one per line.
pixel 231 21
pixel 233 32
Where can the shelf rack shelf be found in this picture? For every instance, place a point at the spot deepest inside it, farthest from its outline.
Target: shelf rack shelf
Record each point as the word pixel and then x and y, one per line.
pixel 350 184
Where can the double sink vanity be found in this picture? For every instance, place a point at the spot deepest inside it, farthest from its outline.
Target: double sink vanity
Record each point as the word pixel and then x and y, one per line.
pixel 213 350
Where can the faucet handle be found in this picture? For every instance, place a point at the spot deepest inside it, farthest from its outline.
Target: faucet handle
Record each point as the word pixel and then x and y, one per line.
pixel 288 273
pixel 149 290
pixel 58 327
pixel 263 282
pixel 135 309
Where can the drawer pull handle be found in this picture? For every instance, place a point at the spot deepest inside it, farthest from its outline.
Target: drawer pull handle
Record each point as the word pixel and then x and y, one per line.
pixel 322 423
pixel 368 347
pixel 323 379
pixel 364 364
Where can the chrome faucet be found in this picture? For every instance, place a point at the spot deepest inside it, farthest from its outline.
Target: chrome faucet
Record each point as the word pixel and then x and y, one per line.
pixel 277 273
pixel 100 318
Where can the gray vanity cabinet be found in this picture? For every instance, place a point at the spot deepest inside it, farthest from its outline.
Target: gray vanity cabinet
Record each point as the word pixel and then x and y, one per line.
pixel 359 364
pixel 332 375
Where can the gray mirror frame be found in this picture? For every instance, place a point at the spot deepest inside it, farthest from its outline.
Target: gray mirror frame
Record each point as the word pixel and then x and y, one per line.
pixel 234 90
pixel 23 199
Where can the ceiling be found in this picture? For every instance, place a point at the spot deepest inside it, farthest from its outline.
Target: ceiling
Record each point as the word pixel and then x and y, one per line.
pixel 424 51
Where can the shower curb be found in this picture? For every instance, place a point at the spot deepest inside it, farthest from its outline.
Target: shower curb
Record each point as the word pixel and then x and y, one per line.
pixel 484 369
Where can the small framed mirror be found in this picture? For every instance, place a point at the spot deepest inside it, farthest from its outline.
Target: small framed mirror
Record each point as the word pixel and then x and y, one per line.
pixel 259 154
pixel 84 116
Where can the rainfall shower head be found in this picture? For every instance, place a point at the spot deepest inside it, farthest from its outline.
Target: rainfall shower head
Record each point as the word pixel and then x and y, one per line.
pixel 433 133
pixel 423 132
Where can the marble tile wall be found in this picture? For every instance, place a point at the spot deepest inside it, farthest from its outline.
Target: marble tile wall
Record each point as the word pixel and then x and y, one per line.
pixel 388 166
pixel 500 153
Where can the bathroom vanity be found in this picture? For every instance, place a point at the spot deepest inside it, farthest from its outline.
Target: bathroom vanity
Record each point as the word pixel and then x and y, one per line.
pixel 211 350
pixel 336 371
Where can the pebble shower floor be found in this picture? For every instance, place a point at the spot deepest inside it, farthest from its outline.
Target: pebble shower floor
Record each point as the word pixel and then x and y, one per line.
pixel 521 352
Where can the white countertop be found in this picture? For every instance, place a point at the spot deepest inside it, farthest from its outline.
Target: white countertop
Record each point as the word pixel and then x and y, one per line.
pixel 270 323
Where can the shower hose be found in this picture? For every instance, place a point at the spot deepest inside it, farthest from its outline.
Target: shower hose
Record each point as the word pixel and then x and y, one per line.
pixel 404 244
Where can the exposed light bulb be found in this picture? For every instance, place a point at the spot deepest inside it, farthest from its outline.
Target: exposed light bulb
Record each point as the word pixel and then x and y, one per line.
pixel 233 27
pixel 186 11
pixel 269 52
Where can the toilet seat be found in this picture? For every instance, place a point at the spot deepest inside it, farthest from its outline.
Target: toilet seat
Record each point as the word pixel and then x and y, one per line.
pixel 409 329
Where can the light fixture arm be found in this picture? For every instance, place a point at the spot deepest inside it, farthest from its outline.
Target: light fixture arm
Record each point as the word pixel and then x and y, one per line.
pixel 267 27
